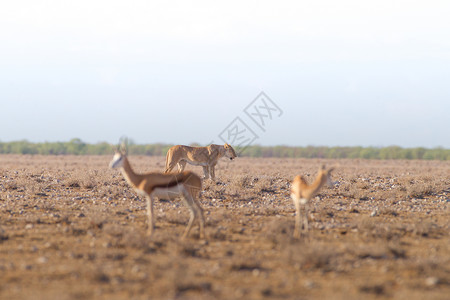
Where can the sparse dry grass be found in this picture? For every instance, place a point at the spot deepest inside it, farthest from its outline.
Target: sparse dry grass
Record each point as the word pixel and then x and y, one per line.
pixel 70 228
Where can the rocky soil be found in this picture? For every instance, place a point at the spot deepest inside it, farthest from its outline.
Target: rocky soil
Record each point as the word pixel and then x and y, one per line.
pixel 70 228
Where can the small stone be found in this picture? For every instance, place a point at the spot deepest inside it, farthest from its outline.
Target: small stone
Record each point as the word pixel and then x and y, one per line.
pixel 432 281
pixel 309 284
pixel 42 260
pixel 29 226
pixel 136 269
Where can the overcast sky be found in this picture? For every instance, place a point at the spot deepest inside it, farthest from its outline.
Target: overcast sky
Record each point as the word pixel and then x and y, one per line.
pixel 338 73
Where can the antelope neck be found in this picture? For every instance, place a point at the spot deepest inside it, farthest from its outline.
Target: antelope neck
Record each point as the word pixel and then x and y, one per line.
pixel 318 182
pixel 129 174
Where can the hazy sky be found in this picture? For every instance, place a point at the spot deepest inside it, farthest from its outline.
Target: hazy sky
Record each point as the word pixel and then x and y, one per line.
pixel 342 73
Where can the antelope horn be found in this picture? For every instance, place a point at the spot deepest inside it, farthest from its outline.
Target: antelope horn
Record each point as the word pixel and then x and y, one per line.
pixel 124 145
pixel 115 148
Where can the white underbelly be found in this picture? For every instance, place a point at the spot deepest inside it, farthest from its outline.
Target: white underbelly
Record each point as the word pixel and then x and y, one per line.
pixel 302 201
pixel 168 193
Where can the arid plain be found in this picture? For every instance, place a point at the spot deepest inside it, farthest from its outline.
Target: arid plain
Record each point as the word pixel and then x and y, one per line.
pixel 71 228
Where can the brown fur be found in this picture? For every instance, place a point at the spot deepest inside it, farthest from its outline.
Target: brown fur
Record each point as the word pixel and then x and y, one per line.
pixel 207 157
pixel 149 183
pixel 302 193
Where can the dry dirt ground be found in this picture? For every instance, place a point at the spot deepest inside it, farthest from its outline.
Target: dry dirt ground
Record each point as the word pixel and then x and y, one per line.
pixel 70 228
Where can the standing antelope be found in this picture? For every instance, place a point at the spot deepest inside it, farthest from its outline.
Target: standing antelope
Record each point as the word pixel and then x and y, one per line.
pixel 156 184
pixel 302 193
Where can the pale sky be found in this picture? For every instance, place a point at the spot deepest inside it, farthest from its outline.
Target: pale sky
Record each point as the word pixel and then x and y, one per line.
pixel 342 73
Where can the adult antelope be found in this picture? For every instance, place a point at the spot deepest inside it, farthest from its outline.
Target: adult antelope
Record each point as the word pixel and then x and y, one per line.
pixel 156 184
pixel 302 193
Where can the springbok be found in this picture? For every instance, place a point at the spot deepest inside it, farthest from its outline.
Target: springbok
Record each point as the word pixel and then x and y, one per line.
pixel 155 184
pixel 302 193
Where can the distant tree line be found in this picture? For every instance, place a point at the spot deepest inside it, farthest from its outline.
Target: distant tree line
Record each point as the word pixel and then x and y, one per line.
pixel 78 147
pixel 392 152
